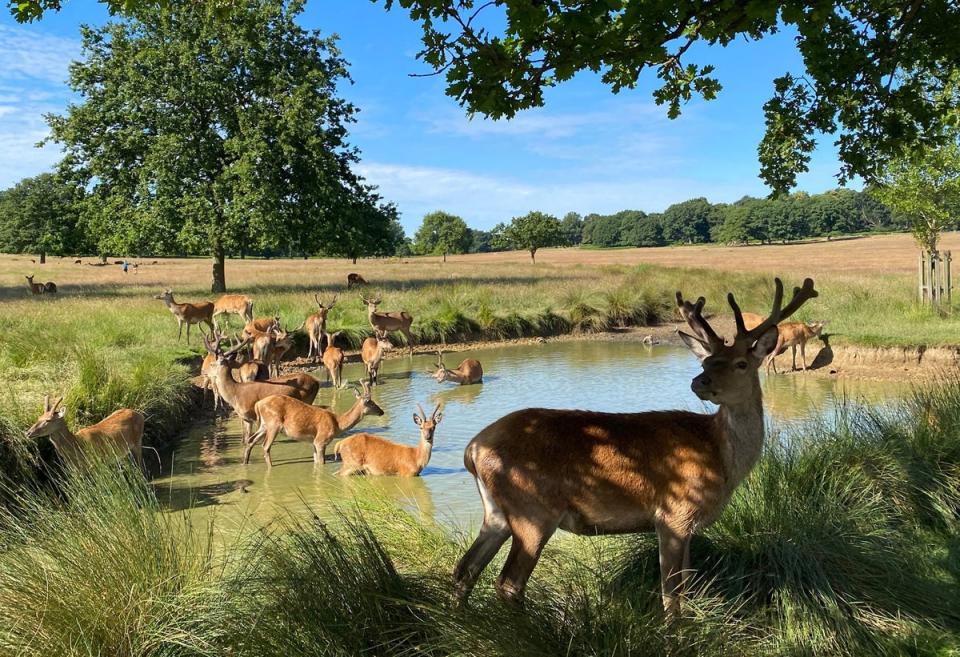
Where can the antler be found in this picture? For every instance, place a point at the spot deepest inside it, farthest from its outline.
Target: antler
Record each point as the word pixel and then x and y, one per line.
pixel 433 416
pixel 233 352
pixel 439 357
pixel 316 296
pixel 334 302
pixel 46 403
pixel 777 314
pixel 57 403
pixel 693 314
pixel 422 414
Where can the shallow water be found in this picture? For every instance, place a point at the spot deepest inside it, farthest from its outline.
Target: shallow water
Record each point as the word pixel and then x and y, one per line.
pixel 595 375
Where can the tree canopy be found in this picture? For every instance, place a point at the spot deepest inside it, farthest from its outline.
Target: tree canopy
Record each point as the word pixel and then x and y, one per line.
pixel 201 133
pixel 442 233
pixel 40 215
pixel 530 232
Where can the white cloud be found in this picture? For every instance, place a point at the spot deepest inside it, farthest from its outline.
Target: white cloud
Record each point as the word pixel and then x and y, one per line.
pixel 29 54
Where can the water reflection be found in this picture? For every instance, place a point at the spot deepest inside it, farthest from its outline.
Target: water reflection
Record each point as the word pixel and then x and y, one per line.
pixel 603 376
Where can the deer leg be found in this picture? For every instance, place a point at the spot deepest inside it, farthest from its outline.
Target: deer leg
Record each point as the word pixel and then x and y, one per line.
pixel 793 354
pixel 803 355
pixel 525 548
pixel 674 552
pixel 179 329
pixel 268 443
pixel 188 332
pixel 493 534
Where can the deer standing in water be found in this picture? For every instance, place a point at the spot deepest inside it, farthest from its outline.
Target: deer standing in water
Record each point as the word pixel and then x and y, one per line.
pixel 468 371
pixel 364 453
pixel 670 472
pixel 387 322
pixel 371 352
pixel 333 358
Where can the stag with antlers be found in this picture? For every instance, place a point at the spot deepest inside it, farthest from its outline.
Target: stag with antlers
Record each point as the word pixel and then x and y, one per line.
pixel 670 472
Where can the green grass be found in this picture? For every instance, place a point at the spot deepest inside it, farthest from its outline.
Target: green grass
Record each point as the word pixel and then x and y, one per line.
pixel 842 542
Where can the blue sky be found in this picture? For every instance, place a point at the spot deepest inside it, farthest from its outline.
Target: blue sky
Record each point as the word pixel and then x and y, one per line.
pixel 586 151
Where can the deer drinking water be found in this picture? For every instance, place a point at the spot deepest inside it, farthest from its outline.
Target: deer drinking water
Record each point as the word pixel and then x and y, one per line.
pixel 364 453
pixel 671 472
pixel 387 322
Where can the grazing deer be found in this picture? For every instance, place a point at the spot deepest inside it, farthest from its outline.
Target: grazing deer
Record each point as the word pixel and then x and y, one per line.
pixel 78 261
pixel 333 359
pixel 794 334
pixel 672 472
pixel 119 432
pixel 371 352
pixel 243 396
pixel 363 453
pixel 234 304
pixel 469 371
pixel 188 313
pixel 317 325
pixel 387 322
pixel 307 423
pixel 355 280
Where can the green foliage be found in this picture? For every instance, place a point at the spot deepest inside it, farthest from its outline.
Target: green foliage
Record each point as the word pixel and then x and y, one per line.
pixel 530 232
pixel 572 224
pixel 926 190
pixel 442 233
pixel 690 222
pixel 41 216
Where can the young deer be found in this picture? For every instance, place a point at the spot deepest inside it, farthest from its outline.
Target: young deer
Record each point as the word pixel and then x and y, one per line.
pixel 118 433
pixel 188 313
pixel 333 359
pixel 469 371
pixel 387 322
pixel 794 334
pixel 234 304
pixel 371 352
pixel 242 397
pixel 317 325
pixel 306 423
pixel 363 453
pixel 672 472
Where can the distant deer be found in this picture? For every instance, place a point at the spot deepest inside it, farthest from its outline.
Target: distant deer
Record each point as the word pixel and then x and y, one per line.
pixel 333 359
pixel 234 304
pixel 794 334
pixel 118 433
pixel 317 325
pixel 672 472
pixel 355 280
pixel 387 322
pixel 468 372
pixel 41 288
pixel 188 313
pixel 372 352
pixel 304 422
pixel 364 453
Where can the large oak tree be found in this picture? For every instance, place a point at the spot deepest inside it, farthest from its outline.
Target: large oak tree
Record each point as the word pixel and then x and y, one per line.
pixel 205 133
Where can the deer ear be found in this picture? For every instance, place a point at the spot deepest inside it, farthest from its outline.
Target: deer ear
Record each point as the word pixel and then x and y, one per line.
pixel 437 419
pixel 699 348
pixel 765 343
pixel 61 413
pixel 417 420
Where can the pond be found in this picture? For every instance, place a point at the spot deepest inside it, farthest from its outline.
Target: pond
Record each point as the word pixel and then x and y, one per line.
pixel 596 375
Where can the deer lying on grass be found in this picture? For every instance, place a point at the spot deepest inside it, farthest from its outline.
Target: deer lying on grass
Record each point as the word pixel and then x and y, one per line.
pixel 188 313
pixel 234 304
pixel 387 322
pixel 672 472
pixel 306 423
pixel 469 371
pixel 317 325
pixel 371 352
pixel 121 432
pixel 242 397
pixel 41 288
pixel 794 334
pixel 363 453
pixel 355 280
pixel 333 359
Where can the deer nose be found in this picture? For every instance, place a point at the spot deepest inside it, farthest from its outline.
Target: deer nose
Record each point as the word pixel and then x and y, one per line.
pixel 701 381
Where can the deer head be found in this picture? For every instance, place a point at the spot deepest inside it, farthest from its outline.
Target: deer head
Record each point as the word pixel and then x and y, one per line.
pixel 166 295
pixel 50 422
pixel 441 370
pixel 427 426
pixel 362 392
pixel 730 371
pixel 371 303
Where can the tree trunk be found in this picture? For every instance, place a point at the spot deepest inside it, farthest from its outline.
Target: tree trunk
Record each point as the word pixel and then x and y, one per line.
pixel 533 256
pixel 43 258
pixel 354 259
pixel 219 275
pixel 444 256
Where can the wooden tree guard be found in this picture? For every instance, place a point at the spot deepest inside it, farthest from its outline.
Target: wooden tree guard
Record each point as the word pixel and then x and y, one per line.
pixel 935 280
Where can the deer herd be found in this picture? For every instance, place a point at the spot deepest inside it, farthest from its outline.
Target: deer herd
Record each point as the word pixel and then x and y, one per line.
pixel 537 470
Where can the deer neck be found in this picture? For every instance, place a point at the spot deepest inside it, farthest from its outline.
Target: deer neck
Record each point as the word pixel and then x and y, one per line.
pixel 65 442
pixel 424 450
pixel 352 417
pixel 226 386
pixel 741 428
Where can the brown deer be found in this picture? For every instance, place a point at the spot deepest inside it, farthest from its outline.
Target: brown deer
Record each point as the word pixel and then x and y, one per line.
pixel 794 334
pixel 283 343
pixel 671 472
pixel 333 359
pixel 262 325
pixel 242 397
pixel 41 288
pixel 355 280
pixel 304 422
pixel 317 325
pixel 188 313
pixel 118 433
pixel 387 322
pixel 469 371
pixel 363 453
pixel 371 352
pixel 234 304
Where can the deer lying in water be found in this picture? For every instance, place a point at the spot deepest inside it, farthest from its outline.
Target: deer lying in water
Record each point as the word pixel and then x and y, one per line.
pixel 469 371
pixel 317 325
pixel 363 453
pixel 333 359
pixel 306 423
pixel 672 472
pixel 387 322
pixel 41 288
pixel 188 313
pixel 118 433
pixel 371 352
